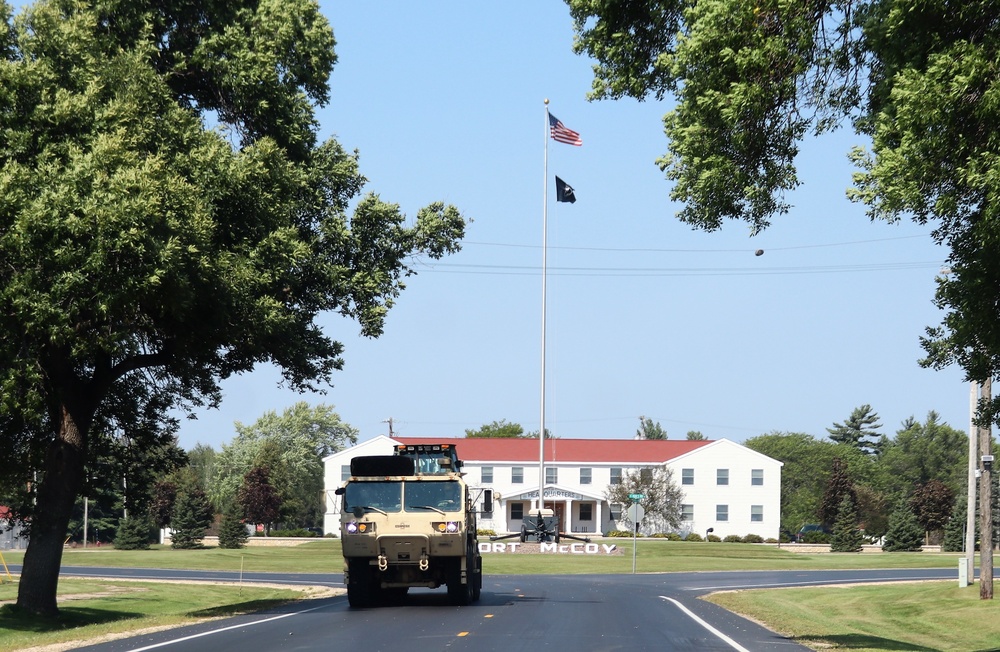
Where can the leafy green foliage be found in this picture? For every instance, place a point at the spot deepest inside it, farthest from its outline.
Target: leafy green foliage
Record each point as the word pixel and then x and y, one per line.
pixel 846 536
pixel 859 430
pixel 169 218
pixel 905 533
pixel 932 503
pixel 648 429
pixel 191 517
pixel 291 445
pixel 232 532
pixel 663 497
pixel 838 487
pixel 498 429
pixel 751 80
pixel 133 534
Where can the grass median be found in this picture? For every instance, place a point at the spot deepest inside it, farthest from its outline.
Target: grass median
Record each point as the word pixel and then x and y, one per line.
pixel 848 619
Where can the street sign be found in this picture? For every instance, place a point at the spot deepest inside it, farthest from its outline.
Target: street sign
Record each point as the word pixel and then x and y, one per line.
pixel 637 496
pixel 635 513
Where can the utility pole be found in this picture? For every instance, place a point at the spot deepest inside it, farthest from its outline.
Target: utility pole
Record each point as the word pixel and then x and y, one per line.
pixel 986 502
pixel 970 505
pixel 389 421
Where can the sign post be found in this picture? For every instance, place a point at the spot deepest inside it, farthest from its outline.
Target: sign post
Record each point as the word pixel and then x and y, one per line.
pixel 635 513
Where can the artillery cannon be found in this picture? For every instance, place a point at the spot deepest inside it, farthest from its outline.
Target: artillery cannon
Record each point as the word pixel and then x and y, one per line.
pixel 540 525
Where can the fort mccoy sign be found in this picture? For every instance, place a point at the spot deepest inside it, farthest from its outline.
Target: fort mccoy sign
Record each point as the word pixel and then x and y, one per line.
pixel 550 548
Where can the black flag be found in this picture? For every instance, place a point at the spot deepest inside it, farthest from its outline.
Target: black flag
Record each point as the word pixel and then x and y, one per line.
pixel 564 191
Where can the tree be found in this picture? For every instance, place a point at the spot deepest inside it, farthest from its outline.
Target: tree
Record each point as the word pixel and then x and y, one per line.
pixel 859 430
pixel 752 80
pixel 232 532
pixel 846 535
pixel 169 218
pixel 905 533
pixel 838 487
pixel 954 531
pixel 258 500
pixel 292 446
pixel 695 435
pixel 663 497
pixel 648 429
pixel 932 503
pixel 921 452
pixel 191 517
pixel 498 429
pixel 162 505
pixel 133 534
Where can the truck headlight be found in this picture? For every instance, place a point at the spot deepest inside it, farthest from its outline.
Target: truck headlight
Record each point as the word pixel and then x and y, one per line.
pixel 447 526
pixel 354 527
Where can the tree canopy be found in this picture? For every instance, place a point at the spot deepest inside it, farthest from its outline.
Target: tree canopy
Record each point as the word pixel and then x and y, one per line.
pixel 859 430
pixel 169 218
pixel 501 429
pixel 916 82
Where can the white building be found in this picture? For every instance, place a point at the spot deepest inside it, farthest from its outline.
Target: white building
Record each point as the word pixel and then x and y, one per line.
pixel 727 487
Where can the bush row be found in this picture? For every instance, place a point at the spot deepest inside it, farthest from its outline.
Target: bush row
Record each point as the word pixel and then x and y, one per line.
pixel 694 536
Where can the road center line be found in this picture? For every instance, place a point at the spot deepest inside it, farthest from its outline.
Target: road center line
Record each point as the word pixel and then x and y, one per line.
pixel 733 644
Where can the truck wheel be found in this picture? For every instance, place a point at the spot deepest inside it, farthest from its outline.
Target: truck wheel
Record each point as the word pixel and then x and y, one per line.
pixel 459 594
pixel 524 534
pixel 360 583
pixel 477 585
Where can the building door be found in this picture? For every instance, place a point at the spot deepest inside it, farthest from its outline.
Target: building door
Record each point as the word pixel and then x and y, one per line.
pixel 558 509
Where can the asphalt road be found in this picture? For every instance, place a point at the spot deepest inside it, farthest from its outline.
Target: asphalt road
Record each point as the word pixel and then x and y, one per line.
pixel 516 612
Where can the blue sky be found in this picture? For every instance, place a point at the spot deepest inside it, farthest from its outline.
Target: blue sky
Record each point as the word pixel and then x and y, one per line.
pixel 444 101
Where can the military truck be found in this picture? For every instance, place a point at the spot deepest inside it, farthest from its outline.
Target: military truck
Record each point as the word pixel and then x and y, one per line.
pixel 409 519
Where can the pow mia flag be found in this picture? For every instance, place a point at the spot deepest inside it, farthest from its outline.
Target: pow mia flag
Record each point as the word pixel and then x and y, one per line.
pixel 564 192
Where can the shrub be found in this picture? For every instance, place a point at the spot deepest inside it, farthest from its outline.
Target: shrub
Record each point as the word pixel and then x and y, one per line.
pixel 486 533
pixel 753 538
pixel 619 533
pixel 713 538
pixel 673 536
pixel 730 538
pixel 771 540
pixel 232 533
pixel 133 534
pixel 693 536
pixel 816 536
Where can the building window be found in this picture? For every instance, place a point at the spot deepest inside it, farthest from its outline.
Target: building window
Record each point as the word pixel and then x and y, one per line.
pixel 487 475
pixel 616 511
pixel 722 512
pixel 517 475
pixel 551 475
pixel 586 511
pixel 687 476
pixel 516 511
pixel 646 475
pixel 616 475
pixel 687 512
pixel 585 475
pixel 345 472
pixel 757 477
pixel 722 476
pixel 757 513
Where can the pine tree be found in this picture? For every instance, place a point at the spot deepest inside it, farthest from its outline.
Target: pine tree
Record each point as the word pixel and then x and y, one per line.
pixel 232 532
pixel 954 531
pixel 859 430
pixel 133 534
pixel 192 516
pixel 905 533
pixel 846 535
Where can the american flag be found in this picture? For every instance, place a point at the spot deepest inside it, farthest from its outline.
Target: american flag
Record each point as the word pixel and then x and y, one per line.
pixel 561 134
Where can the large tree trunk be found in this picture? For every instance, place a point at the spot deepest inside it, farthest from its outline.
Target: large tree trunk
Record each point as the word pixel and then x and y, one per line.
pixel 57 492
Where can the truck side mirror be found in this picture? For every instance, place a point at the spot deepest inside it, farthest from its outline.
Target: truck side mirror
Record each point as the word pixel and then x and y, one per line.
pixel 487 501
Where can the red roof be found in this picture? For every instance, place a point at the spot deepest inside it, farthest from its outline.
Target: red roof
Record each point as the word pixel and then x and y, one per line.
pixel 626 451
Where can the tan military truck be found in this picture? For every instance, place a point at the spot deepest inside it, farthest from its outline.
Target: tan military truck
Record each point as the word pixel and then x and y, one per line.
pixel 407 520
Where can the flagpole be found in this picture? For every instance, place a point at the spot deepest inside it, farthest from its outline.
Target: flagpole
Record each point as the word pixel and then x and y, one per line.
pixel 545 232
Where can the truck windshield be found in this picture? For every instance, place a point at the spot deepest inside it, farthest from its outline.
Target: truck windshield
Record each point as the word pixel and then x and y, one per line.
pixel 373 496
pixel 444 496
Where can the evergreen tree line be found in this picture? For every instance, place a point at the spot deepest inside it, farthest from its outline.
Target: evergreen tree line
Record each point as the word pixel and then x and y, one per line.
pixel 861 485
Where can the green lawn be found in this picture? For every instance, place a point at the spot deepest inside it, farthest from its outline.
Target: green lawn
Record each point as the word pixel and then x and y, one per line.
pixel 94 609
pixel 914 617
pixel 919 617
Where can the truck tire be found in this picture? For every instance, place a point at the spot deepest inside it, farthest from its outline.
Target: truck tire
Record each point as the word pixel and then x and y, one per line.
pixel 477 585
pixel 459 594
pixel 360 583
